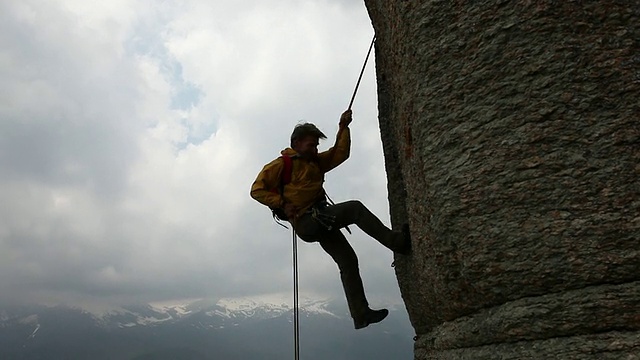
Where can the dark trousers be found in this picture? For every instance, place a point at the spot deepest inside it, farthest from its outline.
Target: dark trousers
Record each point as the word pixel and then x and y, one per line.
pixel 312 229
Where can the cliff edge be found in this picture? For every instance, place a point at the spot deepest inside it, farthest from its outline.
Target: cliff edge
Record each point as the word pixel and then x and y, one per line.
pixel 511 134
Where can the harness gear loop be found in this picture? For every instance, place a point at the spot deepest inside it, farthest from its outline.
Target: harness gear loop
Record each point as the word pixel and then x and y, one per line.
pixel 323 219
pixel 333 203
pixel 296 314
pixel 362 72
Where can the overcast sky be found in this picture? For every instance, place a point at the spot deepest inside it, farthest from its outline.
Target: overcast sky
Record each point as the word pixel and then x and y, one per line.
pixel 131 131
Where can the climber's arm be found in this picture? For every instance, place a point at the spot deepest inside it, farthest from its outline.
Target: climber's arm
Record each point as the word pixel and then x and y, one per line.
pixel 338 153
pixel 267 180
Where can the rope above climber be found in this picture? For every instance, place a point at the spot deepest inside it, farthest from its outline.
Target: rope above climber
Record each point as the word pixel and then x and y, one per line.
pixel 314 219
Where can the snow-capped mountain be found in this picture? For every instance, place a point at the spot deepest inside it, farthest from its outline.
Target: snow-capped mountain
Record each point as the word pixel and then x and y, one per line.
pixel 229 328
pixel 270 306
pixel 213 314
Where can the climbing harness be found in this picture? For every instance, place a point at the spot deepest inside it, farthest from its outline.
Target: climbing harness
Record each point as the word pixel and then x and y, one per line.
pixel 296 315
pixel 362 72
pixel 333 203
pixel 323 219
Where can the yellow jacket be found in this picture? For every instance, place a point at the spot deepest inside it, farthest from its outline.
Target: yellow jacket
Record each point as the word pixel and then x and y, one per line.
pixel 307 176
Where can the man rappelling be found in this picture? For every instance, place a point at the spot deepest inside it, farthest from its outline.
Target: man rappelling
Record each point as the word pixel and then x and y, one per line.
pixel 303 202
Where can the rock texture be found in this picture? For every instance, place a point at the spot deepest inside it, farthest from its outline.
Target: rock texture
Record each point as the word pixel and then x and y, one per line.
pixel 511 133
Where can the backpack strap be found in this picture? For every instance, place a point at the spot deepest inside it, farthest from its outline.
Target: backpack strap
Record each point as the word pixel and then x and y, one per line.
pixel 285 175
pixel 285 178
pixel 286 171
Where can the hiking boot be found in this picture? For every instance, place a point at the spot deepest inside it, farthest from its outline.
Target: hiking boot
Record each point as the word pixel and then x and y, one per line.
pixel 371 317
pixel 405 248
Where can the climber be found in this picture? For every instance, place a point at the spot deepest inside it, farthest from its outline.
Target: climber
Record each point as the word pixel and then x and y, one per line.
pixel 304 202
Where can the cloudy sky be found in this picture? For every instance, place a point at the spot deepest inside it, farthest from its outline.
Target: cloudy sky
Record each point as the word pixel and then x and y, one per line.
pixel 131 131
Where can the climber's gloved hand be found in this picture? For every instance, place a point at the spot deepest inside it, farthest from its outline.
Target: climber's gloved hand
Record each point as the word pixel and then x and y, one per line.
pixel 345 119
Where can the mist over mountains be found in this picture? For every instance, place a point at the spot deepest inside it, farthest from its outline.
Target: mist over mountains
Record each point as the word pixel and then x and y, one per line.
pixel 224 329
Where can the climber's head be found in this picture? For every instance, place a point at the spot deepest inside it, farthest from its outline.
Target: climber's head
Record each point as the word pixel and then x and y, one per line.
pixel 305 139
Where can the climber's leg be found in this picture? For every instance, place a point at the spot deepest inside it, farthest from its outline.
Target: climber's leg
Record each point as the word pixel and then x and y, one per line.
pixel 354 212
pixel 337 246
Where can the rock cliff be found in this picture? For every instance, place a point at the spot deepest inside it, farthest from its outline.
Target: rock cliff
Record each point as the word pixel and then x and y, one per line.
pixel 511 134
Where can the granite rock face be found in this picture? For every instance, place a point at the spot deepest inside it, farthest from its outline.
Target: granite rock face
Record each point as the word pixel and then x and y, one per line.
pixel 511 134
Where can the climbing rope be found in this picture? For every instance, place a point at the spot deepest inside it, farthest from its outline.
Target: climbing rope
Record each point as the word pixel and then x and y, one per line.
pixel 362 72
pixel 296 315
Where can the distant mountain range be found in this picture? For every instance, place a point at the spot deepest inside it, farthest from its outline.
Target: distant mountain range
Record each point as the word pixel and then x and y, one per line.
pixel 246 329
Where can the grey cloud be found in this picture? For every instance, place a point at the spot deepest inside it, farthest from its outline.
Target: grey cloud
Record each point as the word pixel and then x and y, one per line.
pixel 115 192
pixel 66 116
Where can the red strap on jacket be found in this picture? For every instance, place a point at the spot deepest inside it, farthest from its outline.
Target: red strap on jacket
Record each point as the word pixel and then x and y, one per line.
pixel 285 176
pixel 288 169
